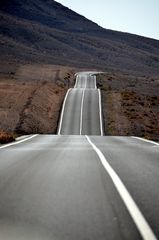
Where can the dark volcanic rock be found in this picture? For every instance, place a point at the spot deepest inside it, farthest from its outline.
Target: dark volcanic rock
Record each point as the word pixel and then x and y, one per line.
pixel 47 32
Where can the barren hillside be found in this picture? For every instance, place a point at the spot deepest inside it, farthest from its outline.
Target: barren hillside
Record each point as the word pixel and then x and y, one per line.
pixel 47 32
pixel 31 98
pixel 43 44
pixel 130 105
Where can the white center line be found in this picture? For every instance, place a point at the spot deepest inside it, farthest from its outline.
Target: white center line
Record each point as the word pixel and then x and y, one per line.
pixel 81 118
pixel 15 143
pixel 62 113
pixel 138 218
pixel 100 113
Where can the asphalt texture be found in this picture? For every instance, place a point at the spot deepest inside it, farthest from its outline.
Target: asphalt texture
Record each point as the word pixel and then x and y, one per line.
pixel 81 113
pixel 55 186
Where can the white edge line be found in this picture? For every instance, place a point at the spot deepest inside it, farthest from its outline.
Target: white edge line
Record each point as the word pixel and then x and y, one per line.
pixel 20 141
pixel 138 218
pixel 95 82
pixel 100 113
pixel 146 140
pixel 63 108
pixel 82 101
pixel 21 137
pixel 76 82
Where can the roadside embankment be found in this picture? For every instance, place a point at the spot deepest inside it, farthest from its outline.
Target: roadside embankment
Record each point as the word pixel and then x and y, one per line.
pixel 31 97
pixel 130 105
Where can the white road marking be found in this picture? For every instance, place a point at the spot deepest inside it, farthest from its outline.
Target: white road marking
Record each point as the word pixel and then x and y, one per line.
pixel 100 113
pixel 146 140
pixel 77 77
pixel 15 143
pixel 63 108
pixel 21 137
pixel 138 218
pixel 81 118
pixel 86 82
pixel 95 82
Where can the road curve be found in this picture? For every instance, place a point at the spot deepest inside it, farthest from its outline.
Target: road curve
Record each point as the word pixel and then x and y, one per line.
pixel 81 112
pixel 68 187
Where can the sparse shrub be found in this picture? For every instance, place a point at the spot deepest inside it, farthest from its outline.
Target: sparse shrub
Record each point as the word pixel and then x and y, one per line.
pixel 56 91
pixel 6 137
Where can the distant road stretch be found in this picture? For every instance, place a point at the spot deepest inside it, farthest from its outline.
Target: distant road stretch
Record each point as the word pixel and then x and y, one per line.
pixel 81 113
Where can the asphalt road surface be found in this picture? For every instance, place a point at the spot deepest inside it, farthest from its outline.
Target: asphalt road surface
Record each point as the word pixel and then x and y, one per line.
pixel 68 187
pixel 81 113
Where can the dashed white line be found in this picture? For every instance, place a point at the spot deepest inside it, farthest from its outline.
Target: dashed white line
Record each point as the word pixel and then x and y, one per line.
pixel 20 141
pixel 138 218
pixel 100 113
pixel 81 117
pixel 63 108
pixel 146 140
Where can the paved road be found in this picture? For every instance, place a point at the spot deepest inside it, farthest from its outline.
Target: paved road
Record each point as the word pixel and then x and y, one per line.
pixel 75 187
pixel 81 113
pixel 85 80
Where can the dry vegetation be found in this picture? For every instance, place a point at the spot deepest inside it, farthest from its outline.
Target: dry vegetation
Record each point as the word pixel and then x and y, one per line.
pixel 31 97
pixel 130 105
pixel 6 137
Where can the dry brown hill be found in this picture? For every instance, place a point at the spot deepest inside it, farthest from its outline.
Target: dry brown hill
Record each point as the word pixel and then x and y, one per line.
pixel 42 45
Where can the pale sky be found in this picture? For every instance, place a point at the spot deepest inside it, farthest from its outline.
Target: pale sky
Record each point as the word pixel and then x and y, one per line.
pixel 134 16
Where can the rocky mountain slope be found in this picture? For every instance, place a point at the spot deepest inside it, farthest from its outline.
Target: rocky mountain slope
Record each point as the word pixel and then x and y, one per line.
pixel 43 44
pixel 47 32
